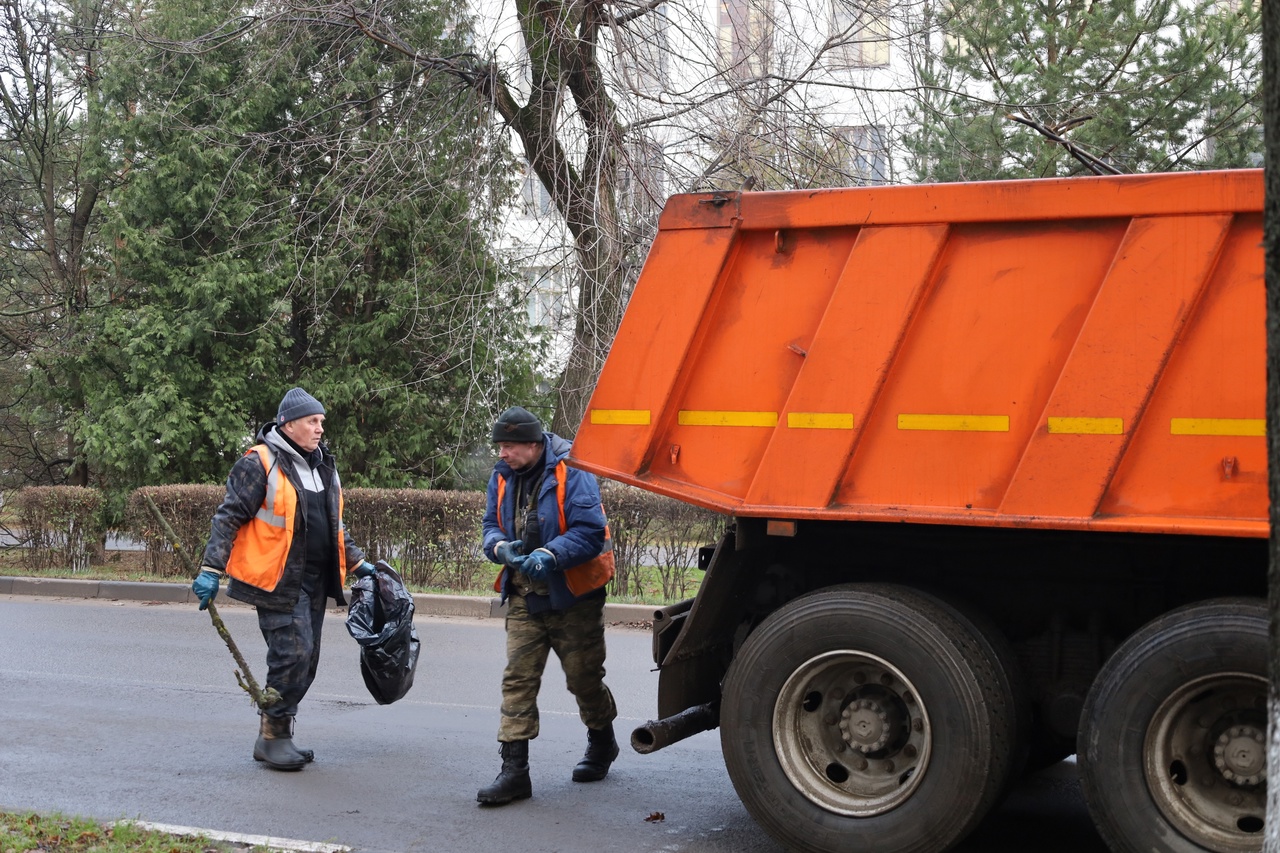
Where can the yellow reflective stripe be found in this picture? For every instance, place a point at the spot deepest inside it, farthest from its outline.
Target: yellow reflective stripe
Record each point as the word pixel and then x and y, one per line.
pixel 628 417
pixel 738 419
pixel 1086 426
pixel 958 423
pixel 950 423
pixel 820 420
pixel 1218 426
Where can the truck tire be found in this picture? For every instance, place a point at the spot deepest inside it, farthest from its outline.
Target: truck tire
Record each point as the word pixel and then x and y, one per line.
pixel 867 716
pixel 1012 683
pixel 1172 747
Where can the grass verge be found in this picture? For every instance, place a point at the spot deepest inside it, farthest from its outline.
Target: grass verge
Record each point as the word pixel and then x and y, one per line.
pixel 56 833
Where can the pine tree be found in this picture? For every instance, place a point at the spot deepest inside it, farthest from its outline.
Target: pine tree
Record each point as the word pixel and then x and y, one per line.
pixel 303 222
pixel 1140 85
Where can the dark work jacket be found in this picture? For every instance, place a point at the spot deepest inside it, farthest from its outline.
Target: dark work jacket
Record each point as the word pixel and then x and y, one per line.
pixel 246 490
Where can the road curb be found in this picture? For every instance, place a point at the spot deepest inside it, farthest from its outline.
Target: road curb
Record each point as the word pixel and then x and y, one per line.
pixel 180 593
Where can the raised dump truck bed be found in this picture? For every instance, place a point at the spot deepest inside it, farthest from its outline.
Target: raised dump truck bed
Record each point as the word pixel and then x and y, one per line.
pixel 1059 353
pixel 1059 385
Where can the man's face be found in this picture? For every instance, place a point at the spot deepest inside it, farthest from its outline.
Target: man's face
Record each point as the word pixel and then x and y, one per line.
pixel 305 432
pixel 519 454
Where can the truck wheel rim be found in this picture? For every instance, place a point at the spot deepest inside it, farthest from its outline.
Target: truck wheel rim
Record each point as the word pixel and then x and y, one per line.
pixel 851 733
pixel 1206 760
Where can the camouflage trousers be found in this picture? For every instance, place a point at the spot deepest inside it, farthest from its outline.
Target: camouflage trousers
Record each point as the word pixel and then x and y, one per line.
pixel 293 650
pixel 577 637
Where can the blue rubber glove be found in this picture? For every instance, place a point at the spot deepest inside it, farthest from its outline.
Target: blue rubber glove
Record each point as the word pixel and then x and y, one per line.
pixel 508 553
pixel 205 586
pixel 539 564
pixel 365 569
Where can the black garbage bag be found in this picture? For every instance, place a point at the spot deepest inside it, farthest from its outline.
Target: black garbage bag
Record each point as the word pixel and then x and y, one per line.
pixel 380 619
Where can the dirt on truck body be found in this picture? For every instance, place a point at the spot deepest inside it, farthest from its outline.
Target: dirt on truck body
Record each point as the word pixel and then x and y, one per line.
pixel 996 462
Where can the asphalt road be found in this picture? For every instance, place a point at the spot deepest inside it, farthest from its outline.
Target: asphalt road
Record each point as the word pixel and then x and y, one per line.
pixel 128 710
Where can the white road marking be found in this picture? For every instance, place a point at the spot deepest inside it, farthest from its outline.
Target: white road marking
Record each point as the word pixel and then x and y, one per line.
pixel 240 838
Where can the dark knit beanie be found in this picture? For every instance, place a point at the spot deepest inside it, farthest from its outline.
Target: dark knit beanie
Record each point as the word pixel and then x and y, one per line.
pixel 297 403
pixel 517 424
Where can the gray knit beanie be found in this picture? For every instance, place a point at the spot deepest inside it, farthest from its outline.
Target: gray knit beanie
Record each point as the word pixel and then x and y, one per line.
pixel 297 403
pixel 517 424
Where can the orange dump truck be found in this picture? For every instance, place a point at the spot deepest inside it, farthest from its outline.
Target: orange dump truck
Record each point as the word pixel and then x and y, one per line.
pixel 995 460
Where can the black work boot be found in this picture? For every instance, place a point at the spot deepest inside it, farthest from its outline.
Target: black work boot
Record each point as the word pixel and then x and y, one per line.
pixel 513 780
pixel 602 749
pixel 275 745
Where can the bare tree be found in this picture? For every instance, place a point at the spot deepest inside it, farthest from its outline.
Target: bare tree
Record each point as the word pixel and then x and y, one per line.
pixel 613 105
pixel 52 169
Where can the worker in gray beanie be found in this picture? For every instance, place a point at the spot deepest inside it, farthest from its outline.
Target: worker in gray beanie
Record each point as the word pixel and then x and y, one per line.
pixel 295 404
pixel 545 526
pixel 287 555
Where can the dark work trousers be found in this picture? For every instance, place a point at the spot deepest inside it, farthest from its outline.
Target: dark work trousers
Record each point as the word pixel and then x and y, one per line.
pixel 577 637
pixel 293 649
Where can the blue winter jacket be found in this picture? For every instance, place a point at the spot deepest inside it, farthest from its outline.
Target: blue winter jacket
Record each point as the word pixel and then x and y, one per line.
pixel 584 536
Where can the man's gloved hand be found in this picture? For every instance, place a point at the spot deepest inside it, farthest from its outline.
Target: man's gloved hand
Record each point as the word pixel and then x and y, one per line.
pixel 365 569
pixel 508 552
pixel 539 564
pixel 205 586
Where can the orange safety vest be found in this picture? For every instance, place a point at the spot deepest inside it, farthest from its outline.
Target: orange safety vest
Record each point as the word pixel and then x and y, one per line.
pixel 581 579
pixel 261 547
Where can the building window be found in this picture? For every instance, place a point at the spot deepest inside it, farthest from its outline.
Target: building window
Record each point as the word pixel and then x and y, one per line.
pixel 746 36
pixel 867 154
pixel 643 52
pixel 861 29
pixel 535 199
pixel 643 178
pixel 548 301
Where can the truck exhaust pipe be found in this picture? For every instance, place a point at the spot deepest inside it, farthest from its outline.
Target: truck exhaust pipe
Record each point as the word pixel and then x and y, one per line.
pixel 656 734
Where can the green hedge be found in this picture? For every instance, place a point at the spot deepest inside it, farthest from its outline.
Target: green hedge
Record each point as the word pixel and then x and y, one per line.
pixel 432 537
pixel 188 509
pixel 61 525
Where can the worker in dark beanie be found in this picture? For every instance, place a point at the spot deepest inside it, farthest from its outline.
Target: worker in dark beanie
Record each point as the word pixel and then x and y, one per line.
pixel 545 525
pixel 517 424
pixel 279 535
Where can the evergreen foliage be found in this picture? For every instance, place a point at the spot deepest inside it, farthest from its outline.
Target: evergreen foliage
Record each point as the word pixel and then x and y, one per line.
pixel 1142 85
pixel 316 221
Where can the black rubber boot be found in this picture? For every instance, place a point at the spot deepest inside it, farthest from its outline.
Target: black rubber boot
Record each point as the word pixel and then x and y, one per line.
pixel 513 780
pixel 308 754
pixel 275 745
pixel 602 749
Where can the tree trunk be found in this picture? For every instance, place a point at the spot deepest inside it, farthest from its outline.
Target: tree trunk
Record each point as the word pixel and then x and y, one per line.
pixel 600 305
pixel 562 50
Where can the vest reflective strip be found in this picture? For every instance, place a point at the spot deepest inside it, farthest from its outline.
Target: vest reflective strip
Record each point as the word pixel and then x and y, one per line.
pixel 271 516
